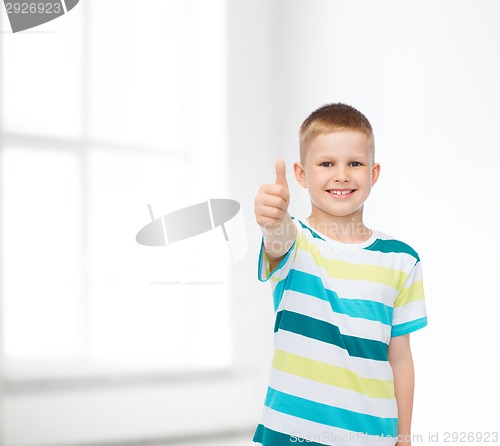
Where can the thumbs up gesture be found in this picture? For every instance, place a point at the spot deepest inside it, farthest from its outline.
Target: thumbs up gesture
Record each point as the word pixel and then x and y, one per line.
pixel 271 203
pixel 271 212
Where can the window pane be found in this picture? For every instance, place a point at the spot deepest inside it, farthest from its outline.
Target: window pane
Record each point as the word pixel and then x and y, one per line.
pixel 41 239
pixel 156 79
pixel 207 96
pixel 142 310
pixel 41 86
pixel 138 72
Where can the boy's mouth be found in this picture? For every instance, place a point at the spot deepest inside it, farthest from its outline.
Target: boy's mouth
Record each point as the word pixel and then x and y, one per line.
pixel 341 193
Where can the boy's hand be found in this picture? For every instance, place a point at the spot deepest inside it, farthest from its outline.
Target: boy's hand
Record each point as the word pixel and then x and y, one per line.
pixel 271 203
pixel 271 212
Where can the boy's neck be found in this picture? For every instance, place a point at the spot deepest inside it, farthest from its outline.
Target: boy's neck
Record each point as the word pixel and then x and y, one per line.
pixel 348 229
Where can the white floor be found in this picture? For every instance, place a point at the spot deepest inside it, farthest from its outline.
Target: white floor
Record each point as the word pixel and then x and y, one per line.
pixel 227 442
pixel 233 440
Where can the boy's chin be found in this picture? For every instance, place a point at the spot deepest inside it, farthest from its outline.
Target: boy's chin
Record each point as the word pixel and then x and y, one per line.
pixel 335 213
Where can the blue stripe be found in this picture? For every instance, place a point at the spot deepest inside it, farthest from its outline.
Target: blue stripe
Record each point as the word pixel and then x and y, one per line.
pixel 269 437
pixel 330 415
pixel 278 291
pixel 330 333
pixel 312 285
pixel 408 327
pixel 393 246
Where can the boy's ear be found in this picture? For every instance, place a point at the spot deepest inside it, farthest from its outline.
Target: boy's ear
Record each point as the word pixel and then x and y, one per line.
pixel 300 174
pixel 375 173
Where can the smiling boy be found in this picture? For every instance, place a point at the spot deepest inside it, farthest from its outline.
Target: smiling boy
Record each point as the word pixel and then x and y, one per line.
pixel 346 297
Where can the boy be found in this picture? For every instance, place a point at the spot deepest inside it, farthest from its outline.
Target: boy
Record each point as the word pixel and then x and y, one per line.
pixel 346 297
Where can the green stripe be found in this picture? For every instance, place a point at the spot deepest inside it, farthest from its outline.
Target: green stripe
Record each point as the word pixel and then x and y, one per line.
pixel 312 285
pixel 269 437
pixel 330 333
pixel 311 231
pixel 330 415
pixel 387 246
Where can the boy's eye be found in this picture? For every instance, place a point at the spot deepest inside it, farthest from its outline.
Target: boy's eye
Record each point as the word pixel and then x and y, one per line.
pixel 326 164
pixel 355 164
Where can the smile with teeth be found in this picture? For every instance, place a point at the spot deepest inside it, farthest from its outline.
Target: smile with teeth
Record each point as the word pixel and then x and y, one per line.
pixel 341 191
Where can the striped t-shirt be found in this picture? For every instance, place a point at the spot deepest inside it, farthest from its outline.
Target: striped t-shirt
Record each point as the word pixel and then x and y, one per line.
pixel 337 306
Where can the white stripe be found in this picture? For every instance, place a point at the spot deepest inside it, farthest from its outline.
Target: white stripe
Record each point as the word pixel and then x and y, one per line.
pixel 403 260
pixel 357 257
pixel 409 312
pixel 354 289
pixel 332 354
pixel 350 289
pixel 357 289
pixel 318 432
pixel 416 275
pixel 332 395
pixel 322 310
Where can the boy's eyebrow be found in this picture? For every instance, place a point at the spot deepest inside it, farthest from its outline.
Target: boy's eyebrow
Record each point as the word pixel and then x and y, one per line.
pixel 357 155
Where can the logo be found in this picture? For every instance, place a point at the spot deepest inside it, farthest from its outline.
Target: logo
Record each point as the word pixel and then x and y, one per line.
pixel 188 222
pixel 26 14
pixel 185 227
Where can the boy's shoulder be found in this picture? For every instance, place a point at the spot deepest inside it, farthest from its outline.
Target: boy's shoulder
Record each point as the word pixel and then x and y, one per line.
pixel 389 244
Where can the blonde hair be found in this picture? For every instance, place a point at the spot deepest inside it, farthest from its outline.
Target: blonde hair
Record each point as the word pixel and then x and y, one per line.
pixel 333 118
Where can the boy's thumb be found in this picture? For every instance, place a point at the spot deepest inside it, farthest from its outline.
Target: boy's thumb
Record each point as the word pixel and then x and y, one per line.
pixel 281 172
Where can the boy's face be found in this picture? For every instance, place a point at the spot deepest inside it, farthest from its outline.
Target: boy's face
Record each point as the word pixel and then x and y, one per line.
pixel 339 173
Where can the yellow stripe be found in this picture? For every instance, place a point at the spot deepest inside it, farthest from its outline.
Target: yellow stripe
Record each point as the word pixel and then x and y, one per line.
pixel 411 294
pixel 332 375
pixel 355 271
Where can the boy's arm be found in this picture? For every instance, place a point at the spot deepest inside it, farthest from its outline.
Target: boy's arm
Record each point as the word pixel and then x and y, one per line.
pixel 400 358
pixel 271 213
pixel 278 241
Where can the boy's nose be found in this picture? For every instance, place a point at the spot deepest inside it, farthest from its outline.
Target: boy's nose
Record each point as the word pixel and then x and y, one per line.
pixel 340 175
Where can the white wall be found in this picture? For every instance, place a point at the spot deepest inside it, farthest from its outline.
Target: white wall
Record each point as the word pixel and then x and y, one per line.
pixel 426 74
pixel 251 147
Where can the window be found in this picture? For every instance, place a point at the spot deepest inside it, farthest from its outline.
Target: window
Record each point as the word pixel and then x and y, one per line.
pixel 112 107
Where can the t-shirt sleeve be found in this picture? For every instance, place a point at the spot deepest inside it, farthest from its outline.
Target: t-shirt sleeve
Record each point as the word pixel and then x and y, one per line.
pixel 281 270
pixel 278 276
pixel 409 307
